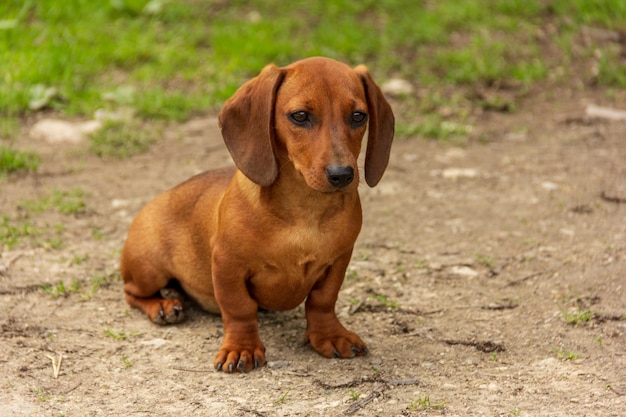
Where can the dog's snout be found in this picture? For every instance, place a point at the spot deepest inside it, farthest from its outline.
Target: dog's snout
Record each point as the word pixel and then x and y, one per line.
pixel 339 176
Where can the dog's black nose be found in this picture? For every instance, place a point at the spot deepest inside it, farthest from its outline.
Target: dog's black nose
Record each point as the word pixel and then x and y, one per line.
pixel 339 176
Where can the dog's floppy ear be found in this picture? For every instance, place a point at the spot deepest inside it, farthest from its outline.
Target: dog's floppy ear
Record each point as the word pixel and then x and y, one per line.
pixel 381 129
pixel 247 124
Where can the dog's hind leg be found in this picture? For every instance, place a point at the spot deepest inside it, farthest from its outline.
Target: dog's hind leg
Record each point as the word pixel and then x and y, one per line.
pixel 149 298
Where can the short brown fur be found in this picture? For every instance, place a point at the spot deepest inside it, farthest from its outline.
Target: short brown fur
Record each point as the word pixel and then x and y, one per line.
pixel 279 229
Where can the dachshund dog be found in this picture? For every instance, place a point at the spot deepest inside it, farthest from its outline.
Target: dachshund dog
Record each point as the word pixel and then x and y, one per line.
pixel 279 228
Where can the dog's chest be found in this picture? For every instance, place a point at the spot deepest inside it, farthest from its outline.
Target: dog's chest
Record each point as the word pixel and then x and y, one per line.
pixel 304 252
pixel 290 265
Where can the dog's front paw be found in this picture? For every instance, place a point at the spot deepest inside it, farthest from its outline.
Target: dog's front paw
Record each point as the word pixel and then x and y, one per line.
pixel 240 357
pixel 343 344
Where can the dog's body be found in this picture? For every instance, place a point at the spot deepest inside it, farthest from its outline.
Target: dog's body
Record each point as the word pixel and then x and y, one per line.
pixel 278 230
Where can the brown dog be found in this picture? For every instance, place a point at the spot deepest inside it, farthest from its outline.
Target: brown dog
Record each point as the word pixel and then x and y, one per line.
pixel 279 229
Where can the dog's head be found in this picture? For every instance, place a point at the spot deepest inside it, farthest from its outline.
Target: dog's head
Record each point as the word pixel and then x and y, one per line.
pixel 313 113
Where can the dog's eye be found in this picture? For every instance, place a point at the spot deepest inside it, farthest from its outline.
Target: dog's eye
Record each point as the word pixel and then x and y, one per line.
pixel 300 117
pixel 358 118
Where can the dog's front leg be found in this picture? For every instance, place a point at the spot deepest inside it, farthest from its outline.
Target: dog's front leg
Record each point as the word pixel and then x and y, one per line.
pixel 324 331
pixel 242 348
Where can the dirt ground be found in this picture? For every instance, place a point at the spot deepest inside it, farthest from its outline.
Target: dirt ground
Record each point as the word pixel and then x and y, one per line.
pixel 471 262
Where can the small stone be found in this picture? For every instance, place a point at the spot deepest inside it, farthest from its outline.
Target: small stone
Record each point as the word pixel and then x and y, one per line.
pixel 277 364
pixel 464 271
pixel 605 113
pixel 397 87
pixel 456 173
pixel 156 343
pixel 549 186
pixel 119 203
pixel 56 131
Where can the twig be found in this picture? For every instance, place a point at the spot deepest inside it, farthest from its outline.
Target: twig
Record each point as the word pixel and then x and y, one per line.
pixel 56 364
pixel 351 384
pixel 526 278
pixel 18 290
pixel 486 347
pixel 363 402
pixel 384 384
pixel 612 199
pixel 255 412
pixel 72 389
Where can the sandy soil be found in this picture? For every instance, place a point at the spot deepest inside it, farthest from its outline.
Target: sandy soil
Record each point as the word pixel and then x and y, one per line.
pixel 470 262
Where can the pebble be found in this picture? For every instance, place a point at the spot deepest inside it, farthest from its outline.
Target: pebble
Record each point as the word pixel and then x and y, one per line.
pixel 56 131
pixel 605 112
pixel 277 364
pixel 396 87
pixel 464 271
pixel 157 343
pixel 455 173
pixel 549 186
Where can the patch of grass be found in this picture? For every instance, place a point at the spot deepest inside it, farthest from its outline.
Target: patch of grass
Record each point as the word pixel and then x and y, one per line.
pixel 79 259
pixel 354 395
pixel 578 316
pixel 118 335
pixel 13 161
pixel 611 69
pixel 126 362
pixel 66 202
pixel 96 282
pixel 488 261
pixel 385 300
pixel 60 289
pixel 121 139
pixel 436 128
pixel 9 127
pixel 12 232
pixel 42 395
pixel 566 356
pixel 425 403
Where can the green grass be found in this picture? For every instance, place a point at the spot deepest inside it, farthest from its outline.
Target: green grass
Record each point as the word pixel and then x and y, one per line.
pixel 354 395
pixel 121 139
pixel 175 58
pixel 383 299
pixel 425 403
pixel 12 161
pixel 42 395
pixel 171 59
pixel 12 232
pixel 566 356
pixel 66 202
pixel 126 362
pixel 60 289
pixel 119 334
pixel 578 316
